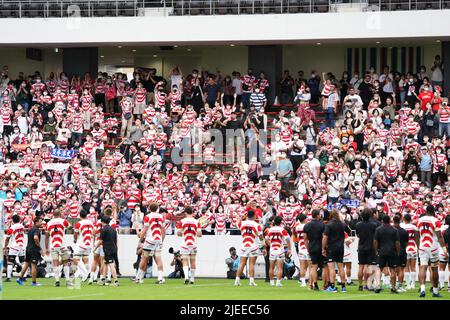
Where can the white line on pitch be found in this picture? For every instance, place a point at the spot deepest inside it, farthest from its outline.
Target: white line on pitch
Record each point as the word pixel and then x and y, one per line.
pixel 78 296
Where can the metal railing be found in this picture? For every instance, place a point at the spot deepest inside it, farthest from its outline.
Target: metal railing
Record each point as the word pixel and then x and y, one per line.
pixel 118 8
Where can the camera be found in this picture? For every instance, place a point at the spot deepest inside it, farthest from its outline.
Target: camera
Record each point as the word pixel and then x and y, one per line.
pixel 175 253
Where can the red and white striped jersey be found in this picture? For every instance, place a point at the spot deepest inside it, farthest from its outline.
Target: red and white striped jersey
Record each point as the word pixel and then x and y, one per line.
pixel 160 99
pixel 299 227
pixel 56 227
pixel 140 94
pixel 86 101
pixel 439 160
pixel 250 230
pixel 427 226
pixel 411 247
pixel 155 223
pixel 74 208
pixel 7 113
pixel 151 195
pixel 444 117
pixel 277 236
pixel 85 230
pixel 188 227
pixel 249 81
pixel 221 219
pixel 16 234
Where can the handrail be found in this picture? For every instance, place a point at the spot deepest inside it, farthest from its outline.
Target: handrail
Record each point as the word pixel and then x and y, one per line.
pixel 108 8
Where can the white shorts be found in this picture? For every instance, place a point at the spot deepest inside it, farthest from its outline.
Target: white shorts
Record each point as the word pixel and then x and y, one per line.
pixel 16 251
pixel 151 248
pixel 188 250
pixel 81 251
pixel 99 251
pixel 347 258
pixel 248 252
pixel 411 255
pixel 61 252
pixel 303 255
pixel 428 255
pixel 276 254
pixel 442 256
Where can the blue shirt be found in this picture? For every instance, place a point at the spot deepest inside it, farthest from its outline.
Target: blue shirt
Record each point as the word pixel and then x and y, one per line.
pixel 18 193
pixel 125 218
pixel 284 166
pixel 235 263
pixel 425 163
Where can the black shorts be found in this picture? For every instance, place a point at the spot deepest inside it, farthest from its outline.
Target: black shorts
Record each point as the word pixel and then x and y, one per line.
pixel 401 260
pixel 32 256
pixel 390 261
pixel 317 258
pixel 335 256
pixel 366 258
pixel 109 257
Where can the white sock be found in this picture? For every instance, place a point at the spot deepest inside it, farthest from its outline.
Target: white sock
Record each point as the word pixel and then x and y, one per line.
pixel 140 274
pixel 422 287
pixel 67 272
pixel 387 280
pixel 272 282
pixel 278 281
pixel 186 273
pixel 57 273
pixel 9 270
pixel 442 279
pixel 252 280
pixel 349 280
pixel 303 280
pixel 82 267
pixel 192 274
pixel 413 278
pixel 160 275
pixel 407 278
pixel 435 290
pixel 238 280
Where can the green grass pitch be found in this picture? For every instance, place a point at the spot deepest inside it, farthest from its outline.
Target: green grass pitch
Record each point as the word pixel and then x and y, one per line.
pixel 203 289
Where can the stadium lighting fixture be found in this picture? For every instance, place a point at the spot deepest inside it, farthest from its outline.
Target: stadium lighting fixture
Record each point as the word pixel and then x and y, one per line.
pixel 318 43
pixel 134 50
pixel 378 42
pixel 102 56
pixel 438 40
pixel 56 50
pixel 175 46
pixel 155 56
pixel 120 47
pixel 188 49
pixel 231 45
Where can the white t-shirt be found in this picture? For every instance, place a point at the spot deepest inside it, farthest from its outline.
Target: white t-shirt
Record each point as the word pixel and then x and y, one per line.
pixel 237 85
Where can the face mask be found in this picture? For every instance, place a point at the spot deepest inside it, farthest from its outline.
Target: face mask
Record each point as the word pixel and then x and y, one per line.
pixel 38 80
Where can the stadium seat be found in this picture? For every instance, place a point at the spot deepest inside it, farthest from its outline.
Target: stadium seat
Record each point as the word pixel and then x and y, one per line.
pixel 321 6
pixel 293 6
pixel 221 7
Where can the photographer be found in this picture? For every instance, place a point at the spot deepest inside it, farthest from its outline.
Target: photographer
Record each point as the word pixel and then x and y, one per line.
pixel 233 263
pixel 177 262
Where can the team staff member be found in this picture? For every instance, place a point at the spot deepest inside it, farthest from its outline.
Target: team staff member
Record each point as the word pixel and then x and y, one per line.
pixel 386 243
pixel 333 249
pixel 402 258
pixel 33 253
pixel 365 231
pixel 313 233
pixel 108 239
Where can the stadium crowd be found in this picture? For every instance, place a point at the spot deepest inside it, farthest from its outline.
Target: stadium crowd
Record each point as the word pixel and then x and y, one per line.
pixel 102 145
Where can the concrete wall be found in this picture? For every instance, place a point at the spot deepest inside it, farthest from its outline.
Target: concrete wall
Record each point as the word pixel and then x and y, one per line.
pixel 279 28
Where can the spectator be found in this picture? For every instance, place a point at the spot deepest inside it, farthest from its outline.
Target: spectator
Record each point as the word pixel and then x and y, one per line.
pixel 233 263
pixel 124 215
